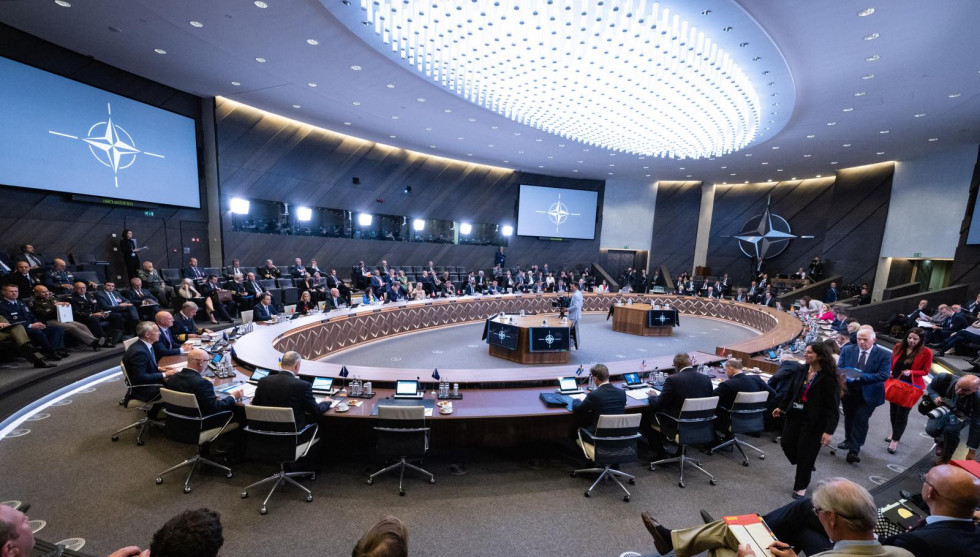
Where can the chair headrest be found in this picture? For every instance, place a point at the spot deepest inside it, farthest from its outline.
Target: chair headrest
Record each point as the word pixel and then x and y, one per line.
pixel 176 398
pixel 751 398
pixel 618 421
pixel 270 414
pixel 696 404
pixel 401 412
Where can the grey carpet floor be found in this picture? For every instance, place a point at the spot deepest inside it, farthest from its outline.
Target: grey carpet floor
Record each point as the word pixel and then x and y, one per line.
pixel 84 485
pixel 460 346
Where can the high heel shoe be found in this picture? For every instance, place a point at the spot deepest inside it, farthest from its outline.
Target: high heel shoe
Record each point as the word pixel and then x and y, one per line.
pixel 892 447
pixel 798 495
pixel 213 320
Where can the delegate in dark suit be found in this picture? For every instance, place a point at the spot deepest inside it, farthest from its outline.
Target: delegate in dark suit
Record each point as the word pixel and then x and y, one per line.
pixel 167 345
pixel 945 537
pixel 804 427
pixel 729 389
pixel 111 302
pixel 606 399
pixel 285 390
pixel 141 367
pixel 685 384
pixel 183 327
pixel 190 381
pixel 25 284
pixel 864 393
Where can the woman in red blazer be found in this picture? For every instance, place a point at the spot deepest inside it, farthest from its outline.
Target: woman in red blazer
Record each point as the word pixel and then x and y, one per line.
pixel 911 361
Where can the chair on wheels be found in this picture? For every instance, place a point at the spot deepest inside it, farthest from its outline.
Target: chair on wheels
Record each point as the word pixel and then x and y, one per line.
pixel 747 416
pixel 273 437
pixel 402 434
pixel 185 424
pixel 145 406
pixel 614 442
pixel 694 426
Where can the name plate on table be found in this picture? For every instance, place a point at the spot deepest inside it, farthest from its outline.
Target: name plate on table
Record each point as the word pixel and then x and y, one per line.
pixel 663 318
pixel 548 339
pixel 503 335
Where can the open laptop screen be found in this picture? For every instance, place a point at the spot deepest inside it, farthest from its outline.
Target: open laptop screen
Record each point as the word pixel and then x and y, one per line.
pixel 567 384
pixel 406 387
pixel 258 374
pixel 631 378
pixel 322 383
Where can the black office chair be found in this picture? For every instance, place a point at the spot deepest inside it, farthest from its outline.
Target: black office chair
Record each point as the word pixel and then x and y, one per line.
pixel 185 424
pixel 747 416
pixel 145 406
pixel 695 426
pixel 614 442
pixel 402 434
pixel 273 437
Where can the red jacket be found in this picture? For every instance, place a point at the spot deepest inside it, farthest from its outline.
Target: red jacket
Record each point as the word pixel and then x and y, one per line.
pixel 920 365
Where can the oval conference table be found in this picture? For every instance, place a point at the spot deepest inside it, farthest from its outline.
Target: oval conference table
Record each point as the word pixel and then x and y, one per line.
pixel 499 406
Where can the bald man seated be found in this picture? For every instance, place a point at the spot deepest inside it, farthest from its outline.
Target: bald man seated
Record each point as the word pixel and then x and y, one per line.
pixel 190 380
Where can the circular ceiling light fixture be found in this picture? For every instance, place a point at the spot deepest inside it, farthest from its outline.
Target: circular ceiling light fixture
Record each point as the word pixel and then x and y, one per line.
pixel 642 80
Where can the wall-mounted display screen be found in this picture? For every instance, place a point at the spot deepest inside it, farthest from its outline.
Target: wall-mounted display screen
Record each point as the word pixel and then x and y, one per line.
pixel 556 213
pixel 62 135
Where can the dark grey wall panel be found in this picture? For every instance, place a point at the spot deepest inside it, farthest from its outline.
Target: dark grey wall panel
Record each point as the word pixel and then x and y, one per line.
pixel 966 264
pixel 675 226
pixel 263 156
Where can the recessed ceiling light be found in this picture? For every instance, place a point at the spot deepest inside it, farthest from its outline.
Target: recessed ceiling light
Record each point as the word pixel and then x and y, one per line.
pixel 954 95
pixel 394 117
pixel 811 136
pixel 776 148
pixel 748 154
pixel 831 123
pixel 312 42
pixel 872 58
pixel 884 131
pixel 471 119
pixel 236 83
pixel 847 145
pixel 779 170
pixel 459 138
pixel 390 85
pixel 421 99
pixel 517 133
pixel 833 162
pixel 880 153
pixel 562 145
pixel 311 84
pixel 356 103
pixel 919 115
pixel 866 12
pixel 868 76
pixel 612 165
pixel 428 129
pixel 806 156
pixel 260 4
pixel 159 51
pixel 933 139
pixel 297 106
pixel 114 29
pixel 848 109
pixel 355 67
pixel 346 123
pixel 647 175
pixel 392 136
pixel 611 173
pixel 447 110
pixel 724 168
pixel 433 147
pixel 62 3
pixel 860 93
pixel 871 37
pixel 765 163
pixel 197 24
pixel 260 60
pixel 819 176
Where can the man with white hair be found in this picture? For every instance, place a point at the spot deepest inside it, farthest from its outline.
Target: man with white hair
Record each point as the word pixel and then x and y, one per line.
pixel 865 387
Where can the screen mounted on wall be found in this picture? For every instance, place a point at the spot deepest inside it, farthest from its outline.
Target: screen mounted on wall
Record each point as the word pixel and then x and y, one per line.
pixel 556 213
pixel 62 135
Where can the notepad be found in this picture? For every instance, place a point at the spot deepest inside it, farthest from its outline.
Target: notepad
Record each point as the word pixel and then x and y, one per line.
pixel 752 530
pixel 639 394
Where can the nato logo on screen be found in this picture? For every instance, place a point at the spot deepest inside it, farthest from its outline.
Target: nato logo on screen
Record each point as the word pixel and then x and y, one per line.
pixel 61 135
pixel 556 212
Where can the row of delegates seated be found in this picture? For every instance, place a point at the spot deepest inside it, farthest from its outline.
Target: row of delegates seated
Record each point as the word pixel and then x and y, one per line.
pixel 842 519
pixel 35 264
pixel 207 297
pixel 311 279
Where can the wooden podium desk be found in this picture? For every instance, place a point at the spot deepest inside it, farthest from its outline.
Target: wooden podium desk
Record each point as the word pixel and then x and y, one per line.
pixel 523 354
pixel 634 319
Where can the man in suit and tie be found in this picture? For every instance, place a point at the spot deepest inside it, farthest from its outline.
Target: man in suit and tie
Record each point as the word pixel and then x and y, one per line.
pixel 105 325
pixel 575 307
pixel 973 307
pixel 110 301
pixel 184 326
pixel 190 380
pixel 605 399
pixel 144 301
pixel 335 300
pixel 865 392
pixel 22 279
pixel 737 382
pixel 193 272
pixel 252 286
pixel 768 299
pixel 235 268
pixel 33 260
pixel 264 310
pixel 167 344
pixel 49 338
pixel 297 269
pixel 830 296
pixel 314 269
pixel 684 384
pixel 285 389
pixel 6 264
pixel 334 281
pixel 141 364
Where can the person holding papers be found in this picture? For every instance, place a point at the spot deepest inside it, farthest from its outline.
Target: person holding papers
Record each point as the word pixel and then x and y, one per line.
pixel 865 390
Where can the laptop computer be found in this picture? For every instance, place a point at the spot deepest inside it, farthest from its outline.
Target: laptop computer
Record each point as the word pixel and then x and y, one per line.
pixel 568 386
pixel 323 386
pixel 407 388
pixel 215 360
pixel 259 373
pixel 633 381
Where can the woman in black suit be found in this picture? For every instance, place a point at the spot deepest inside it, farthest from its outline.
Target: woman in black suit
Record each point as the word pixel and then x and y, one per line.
pixel 130 253
pixel 810 406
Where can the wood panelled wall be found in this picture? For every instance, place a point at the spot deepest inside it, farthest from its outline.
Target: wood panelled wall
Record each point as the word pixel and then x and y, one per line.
pixel 55 224
pixel 966 262
pixel 264 156
pixel 804 204
pixel 675 226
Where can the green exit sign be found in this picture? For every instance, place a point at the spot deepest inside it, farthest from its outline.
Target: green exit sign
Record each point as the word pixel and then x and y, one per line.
pixel 148 213
pixel 917 254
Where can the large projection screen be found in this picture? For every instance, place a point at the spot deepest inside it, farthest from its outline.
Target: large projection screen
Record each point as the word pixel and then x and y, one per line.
pixel 61 135
pixel 556 213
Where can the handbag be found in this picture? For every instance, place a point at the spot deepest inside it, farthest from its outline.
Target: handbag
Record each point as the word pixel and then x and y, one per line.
pixel 224 295
pixel 901 393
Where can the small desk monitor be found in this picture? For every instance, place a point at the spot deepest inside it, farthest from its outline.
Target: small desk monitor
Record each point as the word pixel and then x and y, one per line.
pixel 407 388
pixel 633 380
pixel 323 385
pixel 568 386
pixel 259 373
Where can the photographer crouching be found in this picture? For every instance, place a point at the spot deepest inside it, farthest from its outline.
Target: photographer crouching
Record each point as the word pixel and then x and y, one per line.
pixel 955 403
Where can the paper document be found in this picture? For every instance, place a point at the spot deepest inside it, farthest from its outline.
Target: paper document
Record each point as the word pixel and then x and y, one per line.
pixel 750 529
pixel 248 391
pixel 580 396
pixel 428 412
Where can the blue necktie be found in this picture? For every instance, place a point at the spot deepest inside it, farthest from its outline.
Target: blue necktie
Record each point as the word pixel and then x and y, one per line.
pixel 153 357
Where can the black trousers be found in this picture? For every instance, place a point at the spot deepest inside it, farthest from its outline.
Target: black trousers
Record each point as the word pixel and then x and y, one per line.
pixel 900 420
pixel 857 414
pixel 801 445
pixel 796 524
